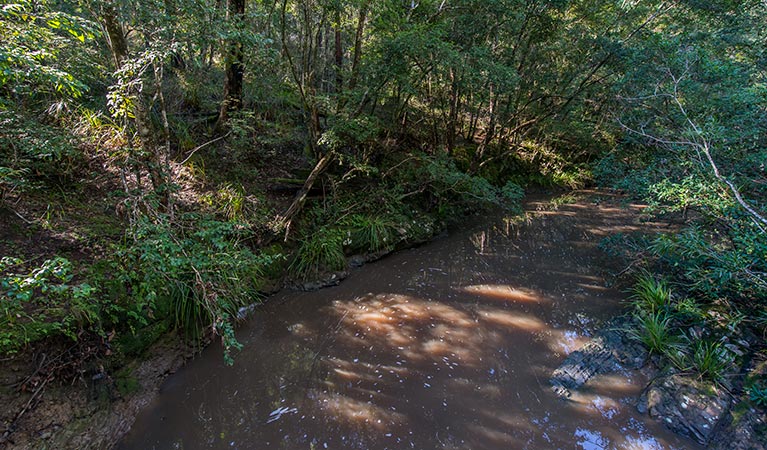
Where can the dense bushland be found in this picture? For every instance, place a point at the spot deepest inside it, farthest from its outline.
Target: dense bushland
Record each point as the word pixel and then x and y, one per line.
pixel 161 164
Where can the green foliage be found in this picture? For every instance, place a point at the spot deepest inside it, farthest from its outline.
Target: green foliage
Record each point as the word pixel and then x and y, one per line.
pixel 512 194
pixel 651 295
pixel 758 394
pixel 31 152
pixel 242 126
pixel 690 101
pixel 661 320
pixel 198 279
pixel 689 309
pixel 706 357
pixel 43 302
pixel 369 233
pixel 319 251
pixel 453 191
pixel 710 359
pixel 656 331
pixel 565 199
pixel 714 264
pixel 37 49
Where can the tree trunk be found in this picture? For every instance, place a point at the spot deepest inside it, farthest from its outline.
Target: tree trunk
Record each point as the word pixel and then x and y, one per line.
pixel 234 61
pixel 358 45
pixel 150 157
pixel 286 218
pixel 116 41
pixel 452 120
pixel 339 55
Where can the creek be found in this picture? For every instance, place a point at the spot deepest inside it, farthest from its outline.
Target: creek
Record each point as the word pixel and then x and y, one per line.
pixel 449 345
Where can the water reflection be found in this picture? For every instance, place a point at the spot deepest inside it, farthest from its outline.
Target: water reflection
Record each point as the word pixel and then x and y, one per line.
pixel 446 346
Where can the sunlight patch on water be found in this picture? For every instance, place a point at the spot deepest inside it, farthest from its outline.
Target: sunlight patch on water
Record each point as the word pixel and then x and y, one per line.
pixel 491 436
pixel 511 319
pixel 564 342
pixel 352 411
pixel 593 404
pixel 502 292
pixel 619 384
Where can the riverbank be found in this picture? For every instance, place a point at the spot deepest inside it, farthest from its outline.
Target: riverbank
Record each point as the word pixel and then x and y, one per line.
pixel 97 410
pixel 446 344
pixel 85 393
pixel 719 416
pixel 95 274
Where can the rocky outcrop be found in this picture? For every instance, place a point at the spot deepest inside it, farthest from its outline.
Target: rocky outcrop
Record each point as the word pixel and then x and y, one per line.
pixel 611 350
pixel 702 411
pixel 685 405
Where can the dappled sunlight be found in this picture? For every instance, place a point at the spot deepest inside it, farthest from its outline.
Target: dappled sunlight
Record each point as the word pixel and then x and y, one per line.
pixel 593 287
pixel 594 405
pixel 623 384
pixel 556 212
pixel 417 329
pixel 345 409
pixel 565 342
pixel 520 422
pixel 447 346
pixel 575 275
pixel 493 436
pixel 511 319
pixel 502 292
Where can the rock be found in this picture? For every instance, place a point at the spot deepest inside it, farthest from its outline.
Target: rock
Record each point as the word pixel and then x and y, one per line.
pixel 745 428
pixel 332 279
pixel 685 405
pixel 357 261
pixel 748 432
pixel 611 350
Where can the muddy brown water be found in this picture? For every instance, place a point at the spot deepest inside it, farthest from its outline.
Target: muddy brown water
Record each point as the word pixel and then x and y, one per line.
pixel 446 346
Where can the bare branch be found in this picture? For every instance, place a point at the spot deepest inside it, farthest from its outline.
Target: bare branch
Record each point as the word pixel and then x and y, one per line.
pixel 703 146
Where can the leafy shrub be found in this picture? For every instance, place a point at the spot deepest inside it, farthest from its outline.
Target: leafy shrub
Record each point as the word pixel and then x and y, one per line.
pixel 369 233
pixel 196 273
pixel 32 151
pixel 710 359
pixel 320 250
pixel 625 169
pixel 758 394
pixel 42 302
pixel 11 180
pixel 714 265
pixel 452 191
pixel 512 194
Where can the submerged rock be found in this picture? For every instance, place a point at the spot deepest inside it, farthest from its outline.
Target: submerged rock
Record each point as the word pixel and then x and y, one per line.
pixel 611 350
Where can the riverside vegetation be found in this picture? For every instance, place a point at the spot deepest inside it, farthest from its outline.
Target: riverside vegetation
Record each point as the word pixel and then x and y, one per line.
pixel 163 164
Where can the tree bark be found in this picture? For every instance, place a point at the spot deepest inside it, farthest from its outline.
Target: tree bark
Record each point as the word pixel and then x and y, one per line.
pixel 298 203
pixel 116 41
pixel 339 55
pixel 358 45
pixel 234 61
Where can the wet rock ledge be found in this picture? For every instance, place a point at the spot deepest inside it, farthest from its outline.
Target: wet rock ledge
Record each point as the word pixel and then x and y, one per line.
pixel 711 415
